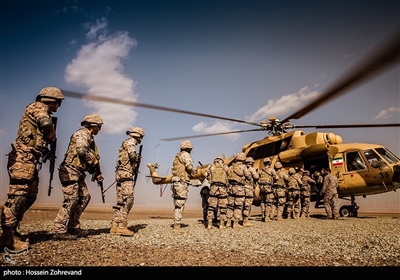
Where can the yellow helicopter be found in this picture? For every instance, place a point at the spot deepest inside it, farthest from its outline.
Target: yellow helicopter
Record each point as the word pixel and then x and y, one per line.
pixel 362 169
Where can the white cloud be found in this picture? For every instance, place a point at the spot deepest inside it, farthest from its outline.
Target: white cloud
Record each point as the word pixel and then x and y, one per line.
pixel 283 105
pixel 98 67
pixel 217 127
pixel 273 108
pixel 388 113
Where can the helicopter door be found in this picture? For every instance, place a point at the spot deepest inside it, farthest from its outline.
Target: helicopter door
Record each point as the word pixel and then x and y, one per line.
pixel 356 168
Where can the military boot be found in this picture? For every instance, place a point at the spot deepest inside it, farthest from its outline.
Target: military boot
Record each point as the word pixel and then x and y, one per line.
pixel 177 229
pixel 246 222
pixel 78 232
pixel 222 225
pixel 236 224
pixel 114 228
pixel 8 240
pixel 209 224
pixel 228 223
pixel 123 230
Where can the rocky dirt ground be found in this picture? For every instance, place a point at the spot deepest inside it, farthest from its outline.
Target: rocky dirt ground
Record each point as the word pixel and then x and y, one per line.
pixel 369 241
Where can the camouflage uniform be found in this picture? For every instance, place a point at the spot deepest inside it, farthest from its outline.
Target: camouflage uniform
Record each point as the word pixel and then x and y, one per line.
pixel 265 183
pixel 35 132
pixel 81 156
pixel 293 195
pixel 182 171
pixel 217 174
pixel 280 189
pixel 249 190
pixel 305 193
pixel 237 174
pixel 124 172
pixel 330 192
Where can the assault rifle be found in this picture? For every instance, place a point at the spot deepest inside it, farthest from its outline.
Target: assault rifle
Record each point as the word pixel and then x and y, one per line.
pixel 96 173
pixel 136 171
pixel 51 155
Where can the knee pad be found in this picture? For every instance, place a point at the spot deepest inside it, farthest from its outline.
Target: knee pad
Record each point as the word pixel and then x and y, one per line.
pixel 18 207
pixel 129 204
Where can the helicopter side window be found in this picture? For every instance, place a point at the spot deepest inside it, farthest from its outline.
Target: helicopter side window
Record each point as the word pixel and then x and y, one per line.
pixel 355 162
pixel 387 155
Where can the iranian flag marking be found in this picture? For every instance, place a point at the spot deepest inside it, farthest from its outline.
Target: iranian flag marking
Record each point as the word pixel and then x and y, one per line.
pixel 337 161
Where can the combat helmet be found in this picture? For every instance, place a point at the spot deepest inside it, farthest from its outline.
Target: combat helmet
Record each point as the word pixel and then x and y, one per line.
pixel 218 158
pixel 267 160
pixel 136 132
pixel 92 120
pixel 186 144
pixel 291 171
pixel 249 160
pixel 278 165
pixel 240 157
pixel 50 94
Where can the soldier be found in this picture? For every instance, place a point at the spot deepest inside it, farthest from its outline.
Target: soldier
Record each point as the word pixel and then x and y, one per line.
pixel 330 193
pixel 293 195
pixel 305 193
pixel 205 194
pixel 182 171
pixel 217 174
pixel 280 189
pixel 36 131
pixel 319 181
pixel 127 163
pixel 81 156
pixel 237 174
pixel 265 183
pixel 249 189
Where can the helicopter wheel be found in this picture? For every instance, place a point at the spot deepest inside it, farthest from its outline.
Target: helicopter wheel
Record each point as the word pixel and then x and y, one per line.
pixel 345 211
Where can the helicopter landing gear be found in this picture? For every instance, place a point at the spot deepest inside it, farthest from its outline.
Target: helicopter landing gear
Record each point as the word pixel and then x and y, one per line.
pixel 349 210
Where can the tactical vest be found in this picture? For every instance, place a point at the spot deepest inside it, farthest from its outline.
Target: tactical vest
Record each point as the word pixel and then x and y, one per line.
pixel 236 173
pixel 72 158
pixel 30 135
pixel 178 167
pixel 124 161
pixel 279 179
pixel 218 174
pixel 293 185
pixel 265 177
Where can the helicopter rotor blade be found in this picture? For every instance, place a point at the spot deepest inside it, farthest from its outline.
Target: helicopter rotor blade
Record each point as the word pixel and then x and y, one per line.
pixel 148 106
pixel 210 134
pixel 384 55
pixel 348 125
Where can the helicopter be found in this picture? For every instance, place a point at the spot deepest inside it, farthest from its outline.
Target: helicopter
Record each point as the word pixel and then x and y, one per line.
pixel 361 168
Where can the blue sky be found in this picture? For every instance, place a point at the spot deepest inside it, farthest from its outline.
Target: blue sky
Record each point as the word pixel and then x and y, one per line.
pixel 247 60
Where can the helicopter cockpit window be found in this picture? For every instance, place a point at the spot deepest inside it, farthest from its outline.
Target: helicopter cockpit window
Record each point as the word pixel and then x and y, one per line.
pixel 355 162
pixel 371 155
pixel 387 155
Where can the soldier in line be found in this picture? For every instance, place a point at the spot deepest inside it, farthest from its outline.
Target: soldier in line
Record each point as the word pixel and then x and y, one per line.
pixel 279 188
pixel 249 190
pixel 330 193
pixel 265 183
pixel 237 175
pixel 293 195
pixel 81 156
pixel 205 194
pixel 305 193
pixel 35 132
pixel 182 172
pixel 127 162
pixel 319 181
pixel 217 174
